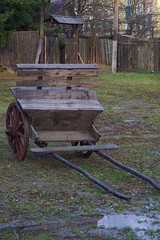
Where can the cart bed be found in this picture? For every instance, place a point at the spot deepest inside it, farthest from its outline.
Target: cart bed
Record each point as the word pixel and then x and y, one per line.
pixel 60 115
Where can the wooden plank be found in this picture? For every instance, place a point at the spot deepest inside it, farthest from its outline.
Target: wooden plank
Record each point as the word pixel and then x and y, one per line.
pixel 74 148
pixel 57 66
pixel 54 83
pixel 64 136
pixel 58 72
pixel 60 104
pixel 56 78
pixel 56 94
pixel 63 120
pixel 39 50
pixel 14 90
pixel 94 131
pixel 80 58
pixel 32 133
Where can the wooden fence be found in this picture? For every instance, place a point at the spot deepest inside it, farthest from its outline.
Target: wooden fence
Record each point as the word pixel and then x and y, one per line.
pixel 100 53
pixel 138 54
pixel 80 51
pixel 133 54
pixel 22 49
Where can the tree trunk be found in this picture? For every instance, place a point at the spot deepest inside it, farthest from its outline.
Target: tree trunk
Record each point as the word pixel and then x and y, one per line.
pixel 42 31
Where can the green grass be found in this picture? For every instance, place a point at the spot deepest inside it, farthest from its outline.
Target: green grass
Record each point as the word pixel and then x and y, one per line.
pixel 42 189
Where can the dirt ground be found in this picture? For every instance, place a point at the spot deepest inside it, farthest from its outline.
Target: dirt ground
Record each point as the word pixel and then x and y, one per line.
pixel 43 199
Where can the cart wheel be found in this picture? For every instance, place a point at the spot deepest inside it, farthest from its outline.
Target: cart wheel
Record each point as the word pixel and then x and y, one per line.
pixel 17 131
pixel 84 154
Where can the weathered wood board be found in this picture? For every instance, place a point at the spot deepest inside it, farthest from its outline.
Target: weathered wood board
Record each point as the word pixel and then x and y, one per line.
pixel 57 66
pixel 74 148
pixel 59 114
pixel 57 94
pixel 62 120
pixel 58 73
pixel 65 136
pixel 60 104
pixel 15 90
pixel 57 70
pixel 57 83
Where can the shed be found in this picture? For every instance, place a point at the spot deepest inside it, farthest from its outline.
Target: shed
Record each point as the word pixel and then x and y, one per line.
pixel 62 12
pixel 71 24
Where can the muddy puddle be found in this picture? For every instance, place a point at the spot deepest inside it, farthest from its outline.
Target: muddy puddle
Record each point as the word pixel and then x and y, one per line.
pixel 133 221
pixel 140 224
pixel 118 225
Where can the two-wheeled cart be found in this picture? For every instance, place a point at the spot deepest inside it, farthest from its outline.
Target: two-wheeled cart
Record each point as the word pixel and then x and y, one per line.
pixel 52 105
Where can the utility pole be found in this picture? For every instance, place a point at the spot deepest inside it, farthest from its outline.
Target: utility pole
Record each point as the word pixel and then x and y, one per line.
pixel 115 33
pixel 115 23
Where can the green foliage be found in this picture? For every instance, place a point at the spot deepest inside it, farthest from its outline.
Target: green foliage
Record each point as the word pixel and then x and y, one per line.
pixel 17 15
pixel 20 13
pixel 4 35
pixel 54 30
pixel 62 41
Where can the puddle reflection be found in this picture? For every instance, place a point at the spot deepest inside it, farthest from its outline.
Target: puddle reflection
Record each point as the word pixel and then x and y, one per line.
pixel 133 221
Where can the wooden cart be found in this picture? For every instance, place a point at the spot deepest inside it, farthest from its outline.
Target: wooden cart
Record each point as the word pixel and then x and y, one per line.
pixel 53 107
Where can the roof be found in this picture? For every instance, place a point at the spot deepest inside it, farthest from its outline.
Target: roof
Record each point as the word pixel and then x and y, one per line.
pixel 68 19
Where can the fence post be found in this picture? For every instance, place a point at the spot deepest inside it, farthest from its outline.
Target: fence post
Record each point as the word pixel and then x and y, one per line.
pixel 129 55
pixel 114 57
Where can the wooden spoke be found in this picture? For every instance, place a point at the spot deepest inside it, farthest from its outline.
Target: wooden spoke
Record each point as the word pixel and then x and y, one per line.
pixel 20 144
pixel 17 148
pixel 14 146
pixel 20 134
pixel 17 118
pixel 19 127
pixel 17 131
pixel 14 117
